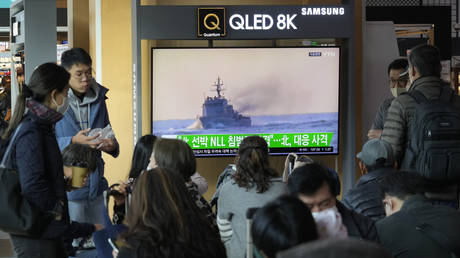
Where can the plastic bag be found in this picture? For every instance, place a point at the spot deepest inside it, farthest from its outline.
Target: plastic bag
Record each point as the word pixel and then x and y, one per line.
pixel 105 133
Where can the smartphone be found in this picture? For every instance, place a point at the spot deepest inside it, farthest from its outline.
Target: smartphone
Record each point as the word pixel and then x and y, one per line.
pixel 113 245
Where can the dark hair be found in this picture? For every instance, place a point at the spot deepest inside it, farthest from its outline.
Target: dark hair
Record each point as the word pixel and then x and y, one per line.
pixel 426 59
pixel 141 155
pixel 175 155
pixel 337 248
pixel 75 56
pixel 166 221
pixel 44 79
pixel 379 163
pixel 402 184
pixel 398 64
pixel 80 155
pixel 281 224
pixel 309 178
pixel 252 166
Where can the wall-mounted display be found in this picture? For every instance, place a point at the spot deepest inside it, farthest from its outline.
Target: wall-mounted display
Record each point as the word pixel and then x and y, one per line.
pixel 213 97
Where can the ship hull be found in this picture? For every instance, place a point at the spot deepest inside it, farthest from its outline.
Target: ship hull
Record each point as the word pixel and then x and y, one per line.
pixel 219 122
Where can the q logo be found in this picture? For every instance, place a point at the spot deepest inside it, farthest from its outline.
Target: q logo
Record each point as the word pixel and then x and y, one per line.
pixel 215 24
pixel 211 22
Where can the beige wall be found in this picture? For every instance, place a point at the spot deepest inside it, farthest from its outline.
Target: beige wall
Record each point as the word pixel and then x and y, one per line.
pixel 116 75
pixel 117 62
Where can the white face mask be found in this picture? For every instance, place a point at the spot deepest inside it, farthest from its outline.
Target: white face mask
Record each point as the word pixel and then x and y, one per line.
pixel 397 91
pixel 329 223
pixel 63 107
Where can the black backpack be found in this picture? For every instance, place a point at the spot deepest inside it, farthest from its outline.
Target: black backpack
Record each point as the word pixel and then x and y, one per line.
pixel 434 147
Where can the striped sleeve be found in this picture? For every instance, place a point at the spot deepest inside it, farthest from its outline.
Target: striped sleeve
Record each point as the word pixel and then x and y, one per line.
pixel 225 229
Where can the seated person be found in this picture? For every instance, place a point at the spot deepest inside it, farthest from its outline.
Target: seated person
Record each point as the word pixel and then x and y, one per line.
pixel 314 185
pixel 375 161
pixel 141 158
pixel 336 248
pixel 282 224
pixel 176 155
pixel 414 227
pixel 163 221
pixel 253 184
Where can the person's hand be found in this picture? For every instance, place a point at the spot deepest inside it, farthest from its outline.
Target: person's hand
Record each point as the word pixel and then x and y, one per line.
pixel 81 138
pixel 114 254
pixel 374 133
pixel 120 199
pixel 108 145
pixel 98 227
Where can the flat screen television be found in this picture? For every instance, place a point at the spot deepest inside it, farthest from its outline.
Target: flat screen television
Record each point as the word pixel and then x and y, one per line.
pixel 214 97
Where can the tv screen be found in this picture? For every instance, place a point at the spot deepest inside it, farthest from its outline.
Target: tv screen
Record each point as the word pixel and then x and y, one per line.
pixel 212 98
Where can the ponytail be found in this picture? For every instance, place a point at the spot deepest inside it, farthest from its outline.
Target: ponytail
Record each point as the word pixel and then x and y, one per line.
pixel 45 78
pixel 18 113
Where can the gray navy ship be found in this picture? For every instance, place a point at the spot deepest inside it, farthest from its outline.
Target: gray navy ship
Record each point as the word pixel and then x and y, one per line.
pixel 217 113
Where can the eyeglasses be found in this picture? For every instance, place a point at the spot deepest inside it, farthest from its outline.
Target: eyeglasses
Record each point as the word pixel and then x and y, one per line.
pixel 79 74
pixel 401 82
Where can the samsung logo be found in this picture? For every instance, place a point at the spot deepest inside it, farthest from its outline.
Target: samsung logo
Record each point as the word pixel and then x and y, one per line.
pixel 323 11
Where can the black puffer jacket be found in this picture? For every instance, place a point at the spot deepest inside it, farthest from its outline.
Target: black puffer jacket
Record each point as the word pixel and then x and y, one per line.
pixel 366 197
pixel 357 225
pixel 36 157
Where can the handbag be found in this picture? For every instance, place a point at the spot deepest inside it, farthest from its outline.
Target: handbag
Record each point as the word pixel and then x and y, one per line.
pixel 17 215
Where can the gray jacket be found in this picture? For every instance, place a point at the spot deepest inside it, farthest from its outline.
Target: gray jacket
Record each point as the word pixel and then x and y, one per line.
pixel 396 130
pixel 231 213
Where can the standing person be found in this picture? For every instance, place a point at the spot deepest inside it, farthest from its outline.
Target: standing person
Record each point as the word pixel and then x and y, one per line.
pixel 254 184
pixel 163 221
pixel 397 72
pixel 423 126
pixel 87 111
pixel 35 155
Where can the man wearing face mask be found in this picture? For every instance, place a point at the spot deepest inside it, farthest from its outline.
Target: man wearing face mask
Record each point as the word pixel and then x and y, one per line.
pixel 317 188
pixel 413 226
pixel 397 72
pixel 87 110
pixel 403 132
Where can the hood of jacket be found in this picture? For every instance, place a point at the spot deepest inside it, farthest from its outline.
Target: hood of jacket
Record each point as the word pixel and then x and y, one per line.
pixel 82 107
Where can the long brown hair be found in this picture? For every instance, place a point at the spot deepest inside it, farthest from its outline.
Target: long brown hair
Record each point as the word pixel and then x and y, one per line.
pixel 175 155
pixel 45 78
pixel 165 220
pixel 252 166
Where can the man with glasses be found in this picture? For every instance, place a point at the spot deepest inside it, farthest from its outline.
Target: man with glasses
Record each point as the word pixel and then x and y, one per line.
pixel 87 110
pixel 398 78
pixel 413 226
pixel 317 188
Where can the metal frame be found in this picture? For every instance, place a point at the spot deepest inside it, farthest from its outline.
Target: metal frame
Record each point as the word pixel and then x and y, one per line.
pixel 148 20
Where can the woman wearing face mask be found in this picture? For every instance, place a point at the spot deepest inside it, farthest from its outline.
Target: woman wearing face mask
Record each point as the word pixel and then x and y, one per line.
pixel 36 157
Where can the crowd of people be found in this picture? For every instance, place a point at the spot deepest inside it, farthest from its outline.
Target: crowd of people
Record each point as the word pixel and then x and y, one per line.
pixel 404 205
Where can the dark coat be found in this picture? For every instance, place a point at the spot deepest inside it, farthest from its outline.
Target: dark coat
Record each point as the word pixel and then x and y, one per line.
pixel 357 225
pixel 366 197
pixel 404 232
pixel 36 157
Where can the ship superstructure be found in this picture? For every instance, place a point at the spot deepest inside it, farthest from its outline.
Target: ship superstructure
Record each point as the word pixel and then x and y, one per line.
pixel 217 112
